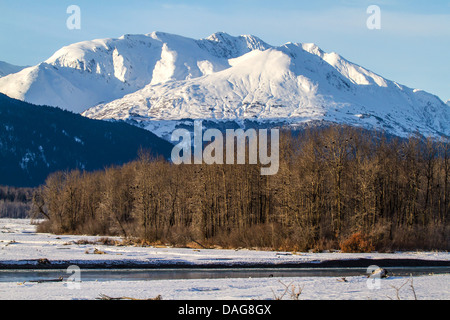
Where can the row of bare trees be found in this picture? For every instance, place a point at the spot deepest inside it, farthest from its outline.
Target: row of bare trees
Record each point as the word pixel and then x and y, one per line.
pixel 15 202
pixel 332 183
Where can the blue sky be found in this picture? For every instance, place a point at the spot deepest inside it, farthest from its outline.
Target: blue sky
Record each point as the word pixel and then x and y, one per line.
pixel 411 48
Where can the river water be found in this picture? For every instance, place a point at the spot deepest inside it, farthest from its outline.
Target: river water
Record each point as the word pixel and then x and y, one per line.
pixel 172 274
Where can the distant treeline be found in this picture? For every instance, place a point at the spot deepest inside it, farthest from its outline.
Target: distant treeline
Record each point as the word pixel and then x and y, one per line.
pixel 15 202
pixel 337 188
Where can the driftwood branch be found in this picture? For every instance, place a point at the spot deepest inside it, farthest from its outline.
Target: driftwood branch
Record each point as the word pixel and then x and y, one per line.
pixel 60 279
pixel 199 244
pixel 294 291
pixel 397 289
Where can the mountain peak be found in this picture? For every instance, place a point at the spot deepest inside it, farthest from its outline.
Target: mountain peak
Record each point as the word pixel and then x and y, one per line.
pixel 312 48
pixel 219 36
pixel 223 45
pixel 223 36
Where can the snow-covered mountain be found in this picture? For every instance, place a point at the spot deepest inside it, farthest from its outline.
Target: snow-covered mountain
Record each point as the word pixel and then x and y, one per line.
pixel 291 84
pixel 85 74
pixel 160 81
pixel 6 68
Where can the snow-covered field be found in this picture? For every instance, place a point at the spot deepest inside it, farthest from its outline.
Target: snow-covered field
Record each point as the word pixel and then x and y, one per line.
pixel 20 244
pixel 313 288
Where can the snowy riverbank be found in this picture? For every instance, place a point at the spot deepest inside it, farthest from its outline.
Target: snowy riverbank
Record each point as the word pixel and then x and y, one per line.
pixel 313 288
pixel 20 245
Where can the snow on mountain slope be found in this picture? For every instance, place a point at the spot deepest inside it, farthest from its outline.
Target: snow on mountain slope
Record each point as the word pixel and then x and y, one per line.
pixel 293 84
pixel 159 80
pixel 85 74
pixel 6 68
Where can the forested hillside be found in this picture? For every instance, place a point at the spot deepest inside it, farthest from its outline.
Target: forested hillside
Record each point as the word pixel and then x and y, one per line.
pixel 38 140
